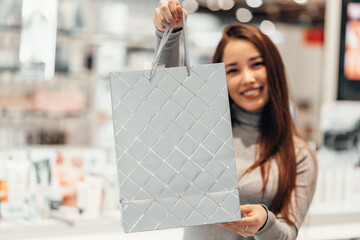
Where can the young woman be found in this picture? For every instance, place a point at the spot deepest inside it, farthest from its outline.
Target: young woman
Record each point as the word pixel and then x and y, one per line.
pixel 276 169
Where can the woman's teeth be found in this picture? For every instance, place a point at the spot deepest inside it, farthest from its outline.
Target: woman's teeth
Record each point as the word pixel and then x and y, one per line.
pixel 251 92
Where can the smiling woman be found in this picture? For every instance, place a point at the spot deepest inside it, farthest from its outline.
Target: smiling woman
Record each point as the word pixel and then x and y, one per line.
pixel 246 75
pixel 276 169
pixel 257 85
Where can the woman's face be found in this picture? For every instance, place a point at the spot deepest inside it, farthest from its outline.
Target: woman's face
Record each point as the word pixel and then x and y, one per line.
pixel 246 75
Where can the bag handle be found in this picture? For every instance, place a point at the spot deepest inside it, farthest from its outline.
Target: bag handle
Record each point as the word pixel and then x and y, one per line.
pixel 165 38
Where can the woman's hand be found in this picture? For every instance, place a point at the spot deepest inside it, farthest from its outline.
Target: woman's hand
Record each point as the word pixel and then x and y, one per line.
pixel 255 218
pixel 168 12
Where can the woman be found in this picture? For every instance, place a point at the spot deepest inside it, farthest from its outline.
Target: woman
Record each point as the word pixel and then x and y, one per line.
pixel 276 169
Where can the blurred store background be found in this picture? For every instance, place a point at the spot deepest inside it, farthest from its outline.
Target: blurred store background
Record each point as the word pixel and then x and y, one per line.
pixel 57 153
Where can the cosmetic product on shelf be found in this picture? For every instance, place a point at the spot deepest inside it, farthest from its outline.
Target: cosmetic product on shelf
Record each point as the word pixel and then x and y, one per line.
pixel 94 196
pixel 66 101
pixel 67 170
pixel 81 193
pixel 3 184
pixel 111 197
pixel 55 194
pixel 10 13
pixel 71 16
pixel 38 39
pixel 110 57
pixel 113 18
pixel 18 179
pixel 3 187
pixel 42 170
pixel 40 178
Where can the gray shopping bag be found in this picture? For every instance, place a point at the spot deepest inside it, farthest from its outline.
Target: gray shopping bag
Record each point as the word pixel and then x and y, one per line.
pixel 174 146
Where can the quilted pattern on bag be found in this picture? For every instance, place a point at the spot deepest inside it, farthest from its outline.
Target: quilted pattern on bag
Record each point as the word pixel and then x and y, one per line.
pixel 174 148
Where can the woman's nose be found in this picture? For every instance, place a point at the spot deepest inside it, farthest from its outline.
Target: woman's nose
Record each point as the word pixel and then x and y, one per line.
pixel 248 76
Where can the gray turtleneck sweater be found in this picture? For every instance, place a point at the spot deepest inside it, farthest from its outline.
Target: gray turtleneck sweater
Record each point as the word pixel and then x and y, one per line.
pixel 245 134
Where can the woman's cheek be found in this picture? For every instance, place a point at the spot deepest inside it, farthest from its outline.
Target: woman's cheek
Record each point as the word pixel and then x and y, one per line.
pixel 231 86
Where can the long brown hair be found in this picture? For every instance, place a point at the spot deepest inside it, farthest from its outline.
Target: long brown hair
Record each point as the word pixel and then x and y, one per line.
pixel 276 126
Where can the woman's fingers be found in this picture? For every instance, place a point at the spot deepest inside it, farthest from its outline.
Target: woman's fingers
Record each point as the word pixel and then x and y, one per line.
pixel 255 218
pixel 173 9
pixel 249 221
pixel 159 20
pixel 246 209
pixel 168 12
pixel 167 8
pixel 240 228
pixel 179 11
pixel 254 213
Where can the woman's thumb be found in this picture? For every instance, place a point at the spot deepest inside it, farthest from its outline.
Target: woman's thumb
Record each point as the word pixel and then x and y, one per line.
pixel 245 208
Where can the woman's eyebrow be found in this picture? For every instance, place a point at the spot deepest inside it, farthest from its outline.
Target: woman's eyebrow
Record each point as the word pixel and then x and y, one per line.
pixel 231 64
pixel 254 58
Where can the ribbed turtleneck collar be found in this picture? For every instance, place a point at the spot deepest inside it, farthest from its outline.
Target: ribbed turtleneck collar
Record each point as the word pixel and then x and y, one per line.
pixel 246 118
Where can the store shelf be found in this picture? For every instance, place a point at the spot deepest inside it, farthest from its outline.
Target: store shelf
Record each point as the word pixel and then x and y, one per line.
pixel 336 209
pixel 52 227
pixel 10 115
pixel 338 231
pixel 103 228
pixel 102 38
pixel 335 214
pixel 331 222
pixel 70 225
pixel 9 29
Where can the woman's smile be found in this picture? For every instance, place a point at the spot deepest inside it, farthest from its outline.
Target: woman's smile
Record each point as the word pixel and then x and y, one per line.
pixel 252 92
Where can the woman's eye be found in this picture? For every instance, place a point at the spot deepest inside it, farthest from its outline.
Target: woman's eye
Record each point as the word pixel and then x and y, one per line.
pixel 258 64
pixel 231 71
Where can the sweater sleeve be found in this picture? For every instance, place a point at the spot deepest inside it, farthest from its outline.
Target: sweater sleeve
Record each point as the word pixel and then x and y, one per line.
pixel 170 55
pixel 276 227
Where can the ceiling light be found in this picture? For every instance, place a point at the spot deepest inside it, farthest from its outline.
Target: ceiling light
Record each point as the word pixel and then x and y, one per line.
pixel 191 5
pixel 353 10
pixel 243 15
pixel 254 3
pixel 213 5
pixel 226 4
pixel 301 1
pixel 267 27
